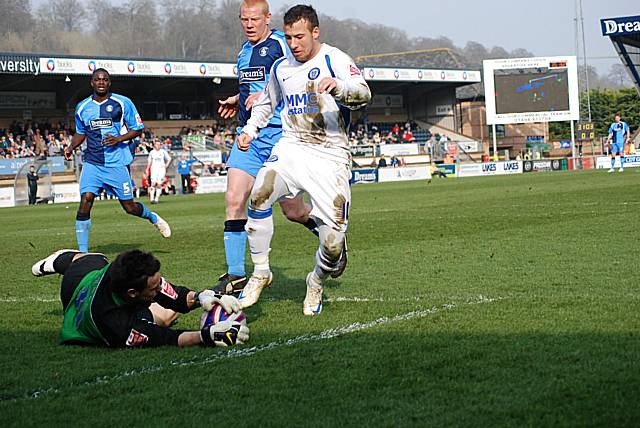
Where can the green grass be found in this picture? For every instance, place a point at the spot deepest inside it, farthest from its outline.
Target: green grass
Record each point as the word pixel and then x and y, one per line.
pixel 531 283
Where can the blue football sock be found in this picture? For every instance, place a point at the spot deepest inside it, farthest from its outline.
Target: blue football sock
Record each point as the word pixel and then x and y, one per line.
pixel 83 227
pixel 613 162
pixel 235 244
pixel 146 213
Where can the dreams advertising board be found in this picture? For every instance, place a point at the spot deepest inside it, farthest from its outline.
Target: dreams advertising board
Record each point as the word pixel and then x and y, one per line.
pixel 523 90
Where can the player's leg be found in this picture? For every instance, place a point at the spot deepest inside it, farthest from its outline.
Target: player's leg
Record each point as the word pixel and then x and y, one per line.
pixel 268 188
pixel 90 185
pixel 239 184
pixel 621 154
pixel 119 183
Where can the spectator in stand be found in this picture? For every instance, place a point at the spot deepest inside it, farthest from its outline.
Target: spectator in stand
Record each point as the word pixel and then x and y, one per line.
pixel 382 163
pixel 394 162
pixel 53 148
pixel 396 129
pixel 40 145
pixel 407 136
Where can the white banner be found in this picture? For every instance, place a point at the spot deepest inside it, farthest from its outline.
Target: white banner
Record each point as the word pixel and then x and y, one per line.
pixel 604 162
pixel 208 156
pixel 134 67
pixel 404 173
pixel 7 197
pixel 489 168
pixel 399 149
pixel 470 146
pixel 212 184
pixel 67 192
pixel 421 75
pixel 444 110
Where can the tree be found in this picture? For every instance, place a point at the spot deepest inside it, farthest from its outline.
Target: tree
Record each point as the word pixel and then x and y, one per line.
pixel 619 76
pixel 64 15
pixel 15 17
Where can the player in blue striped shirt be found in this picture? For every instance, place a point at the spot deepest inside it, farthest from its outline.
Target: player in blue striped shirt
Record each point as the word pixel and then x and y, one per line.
pixel 107 122
pixel 619 134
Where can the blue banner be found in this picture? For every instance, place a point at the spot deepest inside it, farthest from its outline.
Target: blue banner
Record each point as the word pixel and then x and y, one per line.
pixel 620 26
pixel 12 166
pixel 369 175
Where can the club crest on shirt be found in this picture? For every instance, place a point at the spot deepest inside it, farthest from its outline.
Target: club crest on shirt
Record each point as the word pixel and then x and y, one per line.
pixel 109 109
pixel 272 158
pixel 100 123
pixel 263 51
pixel 314 73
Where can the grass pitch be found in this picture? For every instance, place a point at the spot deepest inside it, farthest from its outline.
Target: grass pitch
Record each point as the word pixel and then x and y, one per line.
pixel 501 301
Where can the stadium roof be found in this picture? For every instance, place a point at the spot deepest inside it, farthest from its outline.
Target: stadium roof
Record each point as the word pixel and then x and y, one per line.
pixel 624 33
pixel 40 64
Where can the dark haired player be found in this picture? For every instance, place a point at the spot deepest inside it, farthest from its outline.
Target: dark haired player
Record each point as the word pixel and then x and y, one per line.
pixel 618 136
pixel 128 303
pixel 107 122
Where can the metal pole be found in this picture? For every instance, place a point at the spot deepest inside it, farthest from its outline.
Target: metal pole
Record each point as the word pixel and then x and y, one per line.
pixel 584 58
pixel 573 144
pixel 495 141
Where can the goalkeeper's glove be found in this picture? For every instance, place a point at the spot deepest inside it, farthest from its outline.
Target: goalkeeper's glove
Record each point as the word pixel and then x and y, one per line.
pixel 225 334
pixel 207 298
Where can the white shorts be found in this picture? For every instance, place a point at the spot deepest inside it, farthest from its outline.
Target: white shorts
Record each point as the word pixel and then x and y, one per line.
pixel 324 180
pixel 157 175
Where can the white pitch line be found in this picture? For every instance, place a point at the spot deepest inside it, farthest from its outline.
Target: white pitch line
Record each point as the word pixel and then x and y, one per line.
pixel 247 352
pixel 26 300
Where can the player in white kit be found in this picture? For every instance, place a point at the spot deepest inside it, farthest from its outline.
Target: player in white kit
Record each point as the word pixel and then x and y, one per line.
pixel 319 85
pixel 157 165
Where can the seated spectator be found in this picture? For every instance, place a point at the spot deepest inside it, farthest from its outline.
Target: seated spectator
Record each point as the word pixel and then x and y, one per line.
pixel 394 162
pixel 382 163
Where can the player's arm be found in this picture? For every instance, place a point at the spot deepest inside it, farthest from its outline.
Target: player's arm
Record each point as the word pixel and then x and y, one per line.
pixel 261 113
pixel 229 106
pixel 77 139
pixel 348 87
pixel 167 158
pixel 132 121
pixel 182 299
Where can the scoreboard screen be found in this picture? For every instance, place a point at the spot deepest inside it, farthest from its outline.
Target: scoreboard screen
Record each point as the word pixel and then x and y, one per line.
pixel 524 90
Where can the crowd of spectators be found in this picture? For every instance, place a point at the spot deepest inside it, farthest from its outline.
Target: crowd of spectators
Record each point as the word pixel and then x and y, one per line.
pixel 34 139
pixel 387 133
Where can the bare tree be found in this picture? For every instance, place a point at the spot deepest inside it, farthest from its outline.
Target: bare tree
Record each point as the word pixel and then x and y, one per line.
pixel 64 15
pixel 619 76
pixel 15 17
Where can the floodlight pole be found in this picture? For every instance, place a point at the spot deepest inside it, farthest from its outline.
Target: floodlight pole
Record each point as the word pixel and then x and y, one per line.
pixel 573 143
pixel 495 141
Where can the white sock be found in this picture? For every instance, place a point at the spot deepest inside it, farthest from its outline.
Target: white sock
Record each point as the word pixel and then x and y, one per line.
pixel 259 234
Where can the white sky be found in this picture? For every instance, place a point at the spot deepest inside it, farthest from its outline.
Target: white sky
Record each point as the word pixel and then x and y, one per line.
pixel 543 27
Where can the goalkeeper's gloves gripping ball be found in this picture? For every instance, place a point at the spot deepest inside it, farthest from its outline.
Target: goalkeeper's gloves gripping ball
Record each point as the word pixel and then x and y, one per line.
pixel 207 298
pixel 225 334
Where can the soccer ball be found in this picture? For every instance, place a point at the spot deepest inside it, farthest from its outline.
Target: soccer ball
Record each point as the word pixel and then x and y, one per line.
pixel 217 314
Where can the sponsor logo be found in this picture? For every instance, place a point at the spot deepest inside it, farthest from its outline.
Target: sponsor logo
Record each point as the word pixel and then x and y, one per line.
pixel 168 290
pixel 101 123
pixel 235 70
pixel 91 65
pixel 528 166
pixel 420 74
pixel 51 65
pixel 305 103
pixel 364 177
pixel 203 69
pixel 511 166
pixel 489 167
pixel 252 74
pixel 167 68
pixel 372 73
pixel 272 158
pixel 611 26
pixel 138 119
pixel 396 74
pixel 354 71
pixel 136 338
pixel 314 73
pixel 131 67
pixel 465 76
pixel 20 66
pixel 443 75
pixel 263 51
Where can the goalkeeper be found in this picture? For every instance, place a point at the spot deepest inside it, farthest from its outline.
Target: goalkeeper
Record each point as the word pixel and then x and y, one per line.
pixel 128 303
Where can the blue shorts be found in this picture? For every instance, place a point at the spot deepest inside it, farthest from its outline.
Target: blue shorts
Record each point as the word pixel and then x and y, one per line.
pixel 251 161
pixel 617 148
pixel 113 179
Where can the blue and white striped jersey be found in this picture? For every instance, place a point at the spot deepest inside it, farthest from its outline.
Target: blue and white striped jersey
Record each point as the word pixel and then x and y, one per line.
pixel 254 66
pixel 116 116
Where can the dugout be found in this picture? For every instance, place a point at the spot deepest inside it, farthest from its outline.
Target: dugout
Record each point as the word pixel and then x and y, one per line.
pixel 624 33
pixel 170 94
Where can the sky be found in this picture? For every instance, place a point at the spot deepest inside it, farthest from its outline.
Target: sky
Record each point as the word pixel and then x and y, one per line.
pixel 543 27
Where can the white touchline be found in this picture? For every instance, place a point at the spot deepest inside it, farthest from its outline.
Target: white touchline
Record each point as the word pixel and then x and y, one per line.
pixel 246 352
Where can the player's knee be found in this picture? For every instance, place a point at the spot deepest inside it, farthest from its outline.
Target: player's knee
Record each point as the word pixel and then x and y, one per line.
pixel 130 207
pixel 262 193
pixel 297 214
pixel 235 202
pixel 331 245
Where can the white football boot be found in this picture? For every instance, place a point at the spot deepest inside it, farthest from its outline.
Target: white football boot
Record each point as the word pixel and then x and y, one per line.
pixel 611 170
pixel 312 304
pixel 251 292
pixel 163 226
pixel 45 266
